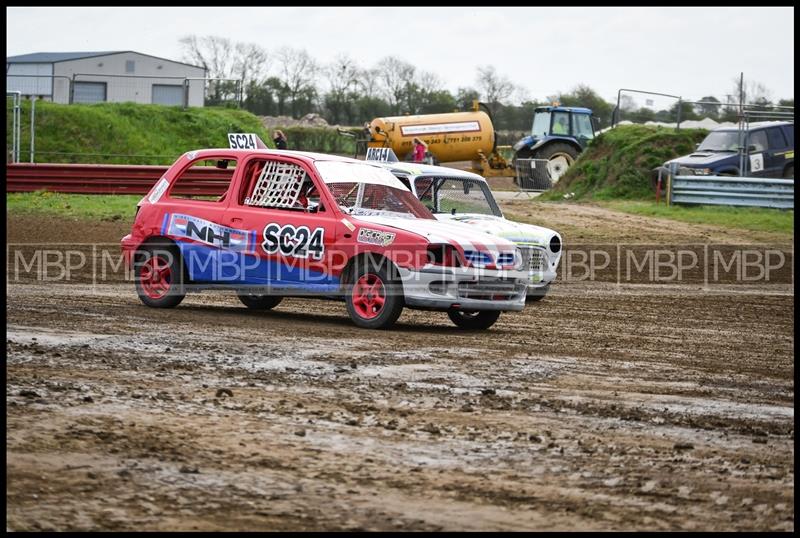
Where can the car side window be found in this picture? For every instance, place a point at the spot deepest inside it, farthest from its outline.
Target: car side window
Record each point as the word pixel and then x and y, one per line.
pixel 788 132
pixel 759 140
pixel 776 138
pixel 206 180
pixel 279 185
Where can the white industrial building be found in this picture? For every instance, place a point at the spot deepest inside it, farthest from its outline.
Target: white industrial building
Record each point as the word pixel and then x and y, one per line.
pixel 95 77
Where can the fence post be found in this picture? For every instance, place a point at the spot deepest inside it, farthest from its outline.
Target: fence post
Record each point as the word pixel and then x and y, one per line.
pixel 185 93
pixel 72 89
pixel 673 171
pixel 680 106
pixel 33 123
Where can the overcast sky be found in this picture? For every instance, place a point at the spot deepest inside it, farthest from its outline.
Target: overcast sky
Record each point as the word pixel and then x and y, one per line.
pixel 692 52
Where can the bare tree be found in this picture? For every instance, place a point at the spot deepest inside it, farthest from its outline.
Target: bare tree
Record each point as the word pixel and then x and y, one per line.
pixel 495 88
pixel 225 59
pixel 343 74
pixel 395 76
pixel 370 83
pixel 297 70
pixel 751 91
pixel 211 52
pixel 343 79
pixel 251 63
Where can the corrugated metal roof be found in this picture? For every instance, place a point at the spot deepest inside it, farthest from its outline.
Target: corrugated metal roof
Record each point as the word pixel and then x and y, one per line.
pixel 52 57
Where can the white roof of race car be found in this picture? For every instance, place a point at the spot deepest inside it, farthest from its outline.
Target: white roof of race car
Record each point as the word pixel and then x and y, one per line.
pixel 357 172
pixel 417 169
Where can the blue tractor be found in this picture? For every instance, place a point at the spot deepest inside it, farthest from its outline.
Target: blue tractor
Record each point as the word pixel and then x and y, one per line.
pixel 558 135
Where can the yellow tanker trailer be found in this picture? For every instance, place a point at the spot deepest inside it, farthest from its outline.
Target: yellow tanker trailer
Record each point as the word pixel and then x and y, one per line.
pixel 451 137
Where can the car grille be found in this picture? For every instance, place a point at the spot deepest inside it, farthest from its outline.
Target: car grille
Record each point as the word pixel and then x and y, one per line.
pixel 534 259
pixel 490 289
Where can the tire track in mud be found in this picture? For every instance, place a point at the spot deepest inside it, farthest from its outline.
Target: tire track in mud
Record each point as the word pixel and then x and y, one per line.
pixel 601 407
pixel 576 429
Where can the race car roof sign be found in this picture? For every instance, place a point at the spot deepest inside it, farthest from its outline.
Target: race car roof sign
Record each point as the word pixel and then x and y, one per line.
pixel 245 141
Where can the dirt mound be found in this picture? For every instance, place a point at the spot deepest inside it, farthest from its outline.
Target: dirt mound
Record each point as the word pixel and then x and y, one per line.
pixel 309 120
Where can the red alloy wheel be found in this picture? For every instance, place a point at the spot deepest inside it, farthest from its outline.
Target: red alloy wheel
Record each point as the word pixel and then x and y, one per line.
pixel 369 296
pixel 156 277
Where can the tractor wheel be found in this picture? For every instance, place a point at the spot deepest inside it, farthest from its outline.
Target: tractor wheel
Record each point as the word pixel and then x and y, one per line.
pixel 560 157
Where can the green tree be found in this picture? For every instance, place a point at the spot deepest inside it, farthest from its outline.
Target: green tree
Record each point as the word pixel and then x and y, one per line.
pixel 710 107
pixel 260 100
pixel 583 96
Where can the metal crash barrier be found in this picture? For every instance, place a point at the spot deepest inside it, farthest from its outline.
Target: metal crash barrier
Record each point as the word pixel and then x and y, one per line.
pixel 533 174
pixel 733 191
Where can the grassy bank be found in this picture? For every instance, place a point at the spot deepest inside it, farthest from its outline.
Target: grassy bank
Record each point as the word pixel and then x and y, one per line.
pixel 127 133
pixel 618 163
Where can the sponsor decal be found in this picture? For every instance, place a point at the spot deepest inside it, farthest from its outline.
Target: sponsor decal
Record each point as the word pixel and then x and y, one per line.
pixel 350 226
pixel 295 241
pixel 191 155
pixel 453 127
pixel 210 233
pixel 159 190
pixel 375 237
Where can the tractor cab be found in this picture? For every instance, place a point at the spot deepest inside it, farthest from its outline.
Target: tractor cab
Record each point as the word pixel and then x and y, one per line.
pixel 572 122
pixel 558 135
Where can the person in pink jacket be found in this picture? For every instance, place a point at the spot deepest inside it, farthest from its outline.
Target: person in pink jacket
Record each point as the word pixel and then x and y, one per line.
pixel 420 148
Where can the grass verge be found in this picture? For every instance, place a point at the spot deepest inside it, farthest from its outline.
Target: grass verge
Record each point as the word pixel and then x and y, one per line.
pixel 88 206
pixel 746 218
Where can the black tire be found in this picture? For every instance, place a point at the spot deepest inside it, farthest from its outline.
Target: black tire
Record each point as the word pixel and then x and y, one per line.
pixel 537 294
pixel 160 275
pixel 789 172
pixel 362 296
pixel 259 302
pixel 474 320
pixel 556 153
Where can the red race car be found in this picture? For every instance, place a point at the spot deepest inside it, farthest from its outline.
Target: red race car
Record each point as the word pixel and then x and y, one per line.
pixel 271 224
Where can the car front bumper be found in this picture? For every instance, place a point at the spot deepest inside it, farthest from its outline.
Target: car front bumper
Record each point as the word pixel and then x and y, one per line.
pixel 458 288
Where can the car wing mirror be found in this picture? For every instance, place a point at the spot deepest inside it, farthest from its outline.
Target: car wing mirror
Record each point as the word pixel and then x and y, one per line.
pixel 697 146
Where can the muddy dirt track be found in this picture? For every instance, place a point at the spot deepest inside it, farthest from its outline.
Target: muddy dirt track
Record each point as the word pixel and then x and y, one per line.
pixel 602 407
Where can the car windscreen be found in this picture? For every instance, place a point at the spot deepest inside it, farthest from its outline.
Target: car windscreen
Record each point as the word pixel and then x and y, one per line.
pixel 356 198
pixel 722 141
pixel 367 189
pixel 456 195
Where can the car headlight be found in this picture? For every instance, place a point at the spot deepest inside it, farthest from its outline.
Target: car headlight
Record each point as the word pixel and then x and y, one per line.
pixel 555 244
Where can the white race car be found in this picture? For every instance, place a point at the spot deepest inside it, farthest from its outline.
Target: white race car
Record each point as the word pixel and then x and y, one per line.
pixel 456 195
